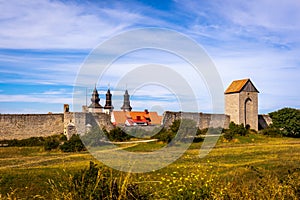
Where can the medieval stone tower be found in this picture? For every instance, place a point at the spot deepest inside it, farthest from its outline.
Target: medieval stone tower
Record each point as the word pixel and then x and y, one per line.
pixel 241 103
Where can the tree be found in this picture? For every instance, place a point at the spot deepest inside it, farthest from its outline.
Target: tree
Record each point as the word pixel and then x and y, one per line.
pixel 287 120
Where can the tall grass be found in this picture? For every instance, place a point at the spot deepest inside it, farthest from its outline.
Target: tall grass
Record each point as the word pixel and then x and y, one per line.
pixel 255 167
pixel 96 183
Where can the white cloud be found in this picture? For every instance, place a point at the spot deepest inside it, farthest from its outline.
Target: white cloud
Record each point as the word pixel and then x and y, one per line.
pixel 53 24
pixel 34 98
pixel 255 39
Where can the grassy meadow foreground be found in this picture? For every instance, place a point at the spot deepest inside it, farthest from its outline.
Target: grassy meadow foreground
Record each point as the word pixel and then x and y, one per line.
pixel 248 167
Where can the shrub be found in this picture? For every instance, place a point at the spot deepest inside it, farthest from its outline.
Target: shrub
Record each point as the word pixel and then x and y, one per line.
pixel 228 134
pixel 235 129
pixel 201 131
pixel 164 135
pixel 271 131
pixel 118 135
pixel 51 144
pixel 95 137
pixel 35 141
pixel 239 129
pixel 73 145
pixel 183 129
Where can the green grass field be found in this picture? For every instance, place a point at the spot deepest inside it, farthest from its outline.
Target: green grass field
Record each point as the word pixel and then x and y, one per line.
pixel 253 167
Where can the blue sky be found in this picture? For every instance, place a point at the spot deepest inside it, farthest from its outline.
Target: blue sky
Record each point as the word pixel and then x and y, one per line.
pixel 43 45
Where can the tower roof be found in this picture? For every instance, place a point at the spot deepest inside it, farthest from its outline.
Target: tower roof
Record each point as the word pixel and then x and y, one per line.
pixel 126 104
pixel 95 99
pixel 108 101
pixel 241 85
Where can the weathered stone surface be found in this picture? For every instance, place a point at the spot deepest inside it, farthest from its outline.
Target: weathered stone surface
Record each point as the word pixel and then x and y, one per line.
pixel 20 126
pixel 83 122
pixel 203 120
pixel 264 121
pixel 242 108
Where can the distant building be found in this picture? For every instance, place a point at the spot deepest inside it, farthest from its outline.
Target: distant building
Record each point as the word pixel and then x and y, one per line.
pixel 125 116
pixel 241 103
pixel 134 118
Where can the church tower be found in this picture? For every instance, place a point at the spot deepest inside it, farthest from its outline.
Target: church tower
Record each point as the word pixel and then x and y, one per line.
pixel 241 103
pixel 108 108
pixel 126 105
pixel 95 106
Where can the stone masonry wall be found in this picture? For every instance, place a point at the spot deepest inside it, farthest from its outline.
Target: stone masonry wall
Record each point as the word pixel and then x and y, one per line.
pixel 236 108
pixel 80 122
pixel 250 109
pixel 20 126
pixel 203 120
pixel 23 126
pixel 232 106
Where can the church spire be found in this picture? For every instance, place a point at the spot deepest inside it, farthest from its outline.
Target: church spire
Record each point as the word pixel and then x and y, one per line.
pixel 108 102
pixel 126 105
pixel 95 100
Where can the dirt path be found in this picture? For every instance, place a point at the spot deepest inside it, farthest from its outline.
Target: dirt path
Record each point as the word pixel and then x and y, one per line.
pixel 29 161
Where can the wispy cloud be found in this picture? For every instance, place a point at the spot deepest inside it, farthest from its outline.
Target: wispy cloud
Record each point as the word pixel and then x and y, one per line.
pixel 56 24
pixel 34 98
pixel 46 42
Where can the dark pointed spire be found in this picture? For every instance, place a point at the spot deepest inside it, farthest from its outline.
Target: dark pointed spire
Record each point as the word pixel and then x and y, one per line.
pixel 95 99
pixel 126 105
pixel 108 102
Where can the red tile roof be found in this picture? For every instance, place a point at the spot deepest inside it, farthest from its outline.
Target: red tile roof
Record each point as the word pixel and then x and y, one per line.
pixel 121 116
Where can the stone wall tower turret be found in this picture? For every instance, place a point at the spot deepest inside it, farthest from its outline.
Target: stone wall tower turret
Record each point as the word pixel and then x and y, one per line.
pixel 241 103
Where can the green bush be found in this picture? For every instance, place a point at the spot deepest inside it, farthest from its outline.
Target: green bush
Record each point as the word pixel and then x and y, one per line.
pixel 183 130
pixel 35 141
pixel 118 135
pixel 239 129
pixel 95 137
pixel 228 134
pixel 235 129
pixel 202 131
pixel 164 135
pixel 271 131
pixel 74 144
pixel 51 144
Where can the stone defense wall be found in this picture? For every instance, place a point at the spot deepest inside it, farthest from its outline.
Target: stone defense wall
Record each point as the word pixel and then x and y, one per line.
pixel 203 120
pixel 20 126
pixel 80 122
pixel 264 121
pixel 35 125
